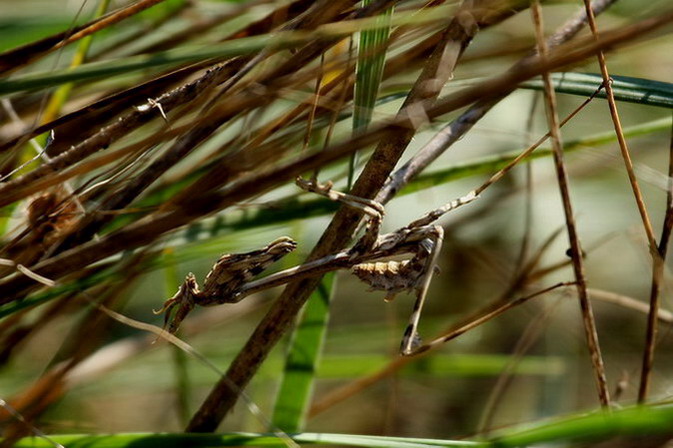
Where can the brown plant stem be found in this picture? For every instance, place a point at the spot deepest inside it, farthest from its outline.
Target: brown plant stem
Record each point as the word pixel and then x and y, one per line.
pixel 659 260
pixel 575 246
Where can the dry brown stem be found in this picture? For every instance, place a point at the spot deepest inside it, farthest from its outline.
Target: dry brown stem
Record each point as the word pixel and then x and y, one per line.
pixel 575 246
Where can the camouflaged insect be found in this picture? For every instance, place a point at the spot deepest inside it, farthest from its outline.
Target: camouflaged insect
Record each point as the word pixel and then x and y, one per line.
pixel 393 277
pixel 231 279
pixel 223 282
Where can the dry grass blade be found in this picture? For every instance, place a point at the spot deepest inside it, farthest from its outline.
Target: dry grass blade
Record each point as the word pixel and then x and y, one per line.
pixel 658 267
pixel 575 247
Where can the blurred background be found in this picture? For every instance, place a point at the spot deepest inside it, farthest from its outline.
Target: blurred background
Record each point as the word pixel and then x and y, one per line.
pixel 525 365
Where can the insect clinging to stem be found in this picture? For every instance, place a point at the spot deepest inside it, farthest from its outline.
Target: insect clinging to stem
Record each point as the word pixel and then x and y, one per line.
pixel 232 277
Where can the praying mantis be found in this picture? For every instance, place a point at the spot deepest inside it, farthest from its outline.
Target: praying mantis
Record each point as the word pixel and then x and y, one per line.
pixel 232 278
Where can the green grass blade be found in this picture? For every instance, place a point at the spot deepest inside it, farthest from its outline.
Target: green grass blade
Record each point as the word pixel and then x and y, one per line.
pixel 634 422
pixel 458 365
pixel 648 421
pixel 19 30
pixel 490 164
pixel 368 75
pixel 237 47
pixel 58 291
pixel 300 369
pixel 61 94
pixel 628 89
pixel 150 440
pixel 104 69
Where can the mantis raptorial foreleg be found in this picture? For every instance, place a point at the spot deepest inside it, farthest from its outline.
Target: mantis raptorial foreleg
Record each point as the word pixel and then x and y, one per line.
pixel 232 277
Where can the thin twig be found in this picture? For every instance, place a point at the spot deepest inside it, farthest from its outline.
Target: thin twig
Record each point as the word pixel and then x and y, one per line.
pixel 341 100
pixel 659 260
pixel 648 354
pixel 495 313
pixel 575 246
pixel 528 189
pixel 628 303
pixel 519 282
pixel 35 430
pixel 475 319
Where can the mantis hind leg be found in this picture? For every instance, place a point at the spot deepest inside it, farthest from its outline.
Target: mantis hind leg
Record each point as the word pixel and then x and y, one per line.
pixel 432 244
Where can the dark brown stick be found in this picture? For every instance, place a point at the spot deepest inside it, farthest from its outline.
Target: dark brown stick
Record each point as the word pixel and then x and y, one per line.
pixel 338 234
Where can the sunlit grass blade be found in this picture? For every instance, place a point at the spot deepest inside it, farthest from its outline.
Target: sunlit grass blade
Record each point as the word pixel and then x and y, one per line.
pixel 648 421
pixel 465 365
pixel 151 440
pixel 368 75
pixel 60 95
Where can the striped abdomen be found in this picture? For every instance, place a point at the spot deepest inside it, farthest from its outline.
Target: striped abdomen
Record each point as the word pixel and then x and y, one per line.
pixel 390 276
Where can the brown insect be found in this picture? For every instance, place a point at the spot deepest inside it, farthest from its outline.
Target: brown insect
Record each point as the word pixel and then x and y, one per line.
pixel 224 280
pixel 231 279
pixel 392 276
